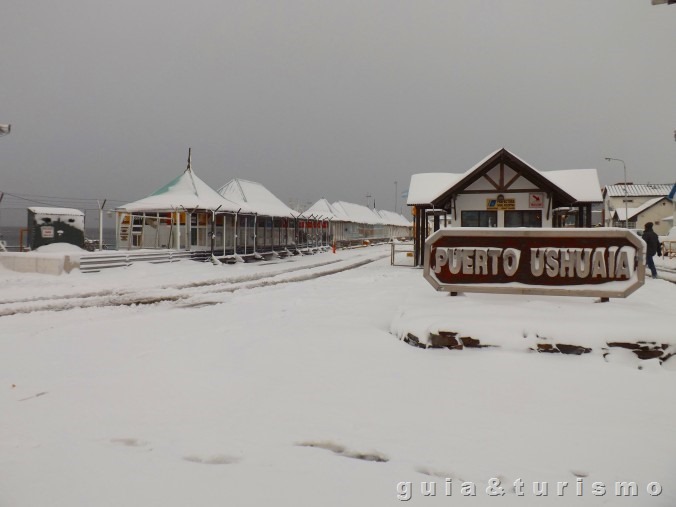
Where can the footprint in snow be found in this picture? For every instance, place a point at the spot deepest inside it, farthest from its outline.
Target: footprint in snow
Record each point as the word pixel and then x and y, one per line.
pixel 129 442
pixel 342 451
pixel 218 459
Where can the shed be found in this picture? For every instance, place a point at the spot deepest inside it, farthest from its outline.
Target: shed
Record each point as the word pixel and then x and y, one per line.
pixel 55 225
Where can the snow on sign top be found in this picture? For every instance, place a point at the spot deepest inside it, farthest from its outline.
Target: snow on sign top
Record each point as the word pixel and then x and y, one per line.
pixel 255 197
pixel 187 191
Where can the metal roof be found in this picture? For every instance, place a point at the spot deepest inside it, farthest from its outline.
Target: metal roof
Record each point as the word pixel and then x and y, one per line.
pixel 647 190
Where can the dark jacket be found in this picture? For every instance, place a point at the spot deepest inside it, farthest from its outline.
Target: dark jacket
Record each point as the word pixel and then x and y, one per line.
pixel 652 241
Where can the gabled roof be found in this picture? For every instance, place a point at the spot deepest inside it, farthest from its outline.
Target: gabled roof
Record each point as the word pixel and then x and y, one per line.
pixel 632 212
pixel 256 198
pixel 582 184
pixel 186 191
pixel 644 190
pixel 324 210
pixel 357 213
pixel 426 187
pixel 508 158
pixel 568 186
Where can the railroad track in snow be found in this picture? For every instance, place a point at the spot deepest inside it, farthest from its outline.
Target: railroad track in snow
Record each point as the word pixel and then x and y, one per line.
pixel 185 295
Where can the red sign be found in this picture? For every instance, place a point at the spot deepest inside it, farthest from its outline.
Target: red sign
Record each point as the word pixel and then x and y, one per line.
pixel 584 262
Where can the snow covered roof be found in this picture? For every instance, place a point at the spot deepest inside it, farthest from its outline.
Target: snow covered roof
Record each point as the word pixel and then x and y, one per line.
pixel 323 209
pixel 255 197
pixel 647 190
pixel 392 218
pixel 582 184
pixel 357 213
pixel 425 187
pixel 186 191
pixel 632 212
pixel 619 213
pixel 39 210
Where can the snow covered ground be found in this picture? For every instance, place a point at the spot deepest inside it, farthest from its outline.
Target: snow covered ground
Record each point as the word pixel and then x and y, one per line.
pixel 286 384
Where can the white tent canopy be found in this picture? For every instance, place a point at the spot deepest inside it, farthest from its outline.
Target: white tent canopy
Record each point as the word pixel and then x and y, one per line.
pixel 357 213
pixel 392 218
pixel 324 210
pixel 255 197
pixel 186 192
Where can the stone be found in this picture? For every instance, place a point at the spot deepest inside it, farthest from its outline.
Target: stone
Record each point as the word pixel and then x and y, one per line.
pixel 572 349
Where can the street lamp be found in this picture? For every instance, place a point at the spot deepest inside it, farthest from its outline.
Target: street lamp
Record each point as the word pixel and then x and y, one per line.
pixel 5 129
pixel 626 213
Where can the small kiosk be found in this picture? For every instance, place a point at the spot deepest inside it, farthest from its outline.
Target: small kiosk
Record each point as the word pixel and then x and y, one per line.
pixel 501 191
pixel 55 225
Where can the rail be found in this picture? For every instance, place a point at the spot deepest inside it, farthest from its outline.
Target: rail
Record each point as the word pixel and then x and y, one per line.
pixel 93 263
pixel 400 248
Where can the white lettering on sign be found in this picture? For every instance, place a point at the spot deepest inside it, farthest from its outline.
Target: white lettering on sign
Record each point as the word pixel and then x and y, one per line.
pixel 552 262
pixel 581 262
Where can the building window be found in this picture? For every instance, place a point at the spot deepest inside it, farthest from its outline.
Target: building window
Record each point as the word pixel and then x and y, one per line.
pixel 523 219
pixel 479 218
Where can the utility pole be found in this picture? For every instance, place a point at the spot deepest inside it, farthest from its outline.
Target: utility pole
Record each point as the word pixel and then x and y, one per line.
pixel 101 205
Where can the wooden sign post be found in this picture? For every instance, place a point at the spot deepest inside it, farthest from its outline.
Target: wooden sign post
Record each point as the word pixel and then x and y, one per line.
pixel 561 262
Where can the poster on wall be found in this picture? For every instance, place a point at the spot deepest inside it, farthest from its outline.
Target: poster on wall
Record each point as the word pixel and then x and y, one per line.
pixel 536 200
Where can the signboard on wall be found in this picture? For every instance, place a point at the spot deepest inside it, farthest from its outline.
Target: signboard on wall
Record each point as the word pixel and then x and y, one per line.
pixel 570 262
pixel 500 204
pixel 536 200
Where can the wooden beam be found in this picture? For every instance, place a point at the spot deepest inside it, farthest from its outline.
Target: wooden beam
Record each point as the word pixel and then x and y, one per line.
pixel 490 180
pixel 516 191
pixel 514 178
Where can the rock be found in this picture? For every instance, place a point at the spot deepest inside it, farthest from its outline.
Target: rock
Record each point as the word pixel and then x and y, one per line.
pixel 445 339
pixel 648 354
pixel 471 342
pixel 572 349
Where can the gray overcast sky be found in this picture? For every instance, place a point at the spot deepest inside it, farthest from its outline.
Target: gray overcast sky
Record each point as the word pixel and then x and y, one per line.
pixel 334 99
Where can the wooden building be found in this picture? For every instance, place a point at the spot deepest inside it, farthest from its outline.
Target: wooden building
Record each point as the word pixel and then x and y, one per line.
pixel 501 190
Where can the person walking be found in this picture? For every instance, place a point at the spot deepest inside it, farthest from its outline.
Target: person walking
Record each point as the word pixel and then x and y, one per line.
pixel 654 247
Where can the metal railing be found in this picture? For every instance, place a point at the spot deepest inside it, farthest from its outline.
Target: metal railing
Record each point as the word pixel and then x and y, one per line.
pixel 93 263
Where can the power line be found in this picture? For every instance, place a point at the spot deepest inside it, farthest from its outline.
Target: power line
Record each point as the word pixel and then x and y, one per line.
pixel 45 200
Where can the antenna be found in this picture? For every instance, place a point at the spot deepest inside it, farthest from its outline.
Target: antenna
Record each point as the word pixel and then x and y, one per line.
pixel 189 168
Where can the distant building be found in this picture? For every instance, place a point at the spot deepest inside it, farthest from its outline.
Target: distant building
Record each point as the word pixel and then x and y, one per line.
pixel 55 225
pixel 641 199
